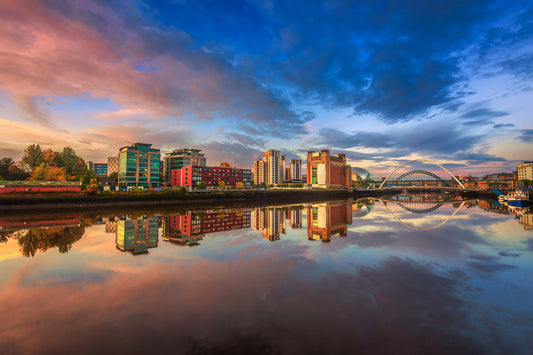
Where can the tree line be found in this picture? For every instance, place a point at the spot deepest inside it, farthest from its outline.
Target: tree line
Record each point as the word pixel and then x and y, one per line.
pixel 46 165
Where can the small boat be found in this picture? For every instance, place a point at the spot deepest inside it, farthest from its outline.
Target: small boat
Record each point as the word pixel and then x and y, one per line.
pixel 517 198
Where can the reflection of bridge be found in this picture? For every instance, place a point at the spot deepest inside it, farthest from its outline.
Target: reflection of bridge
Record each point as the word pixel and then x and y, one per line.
pixel 415 179
pixel 421 208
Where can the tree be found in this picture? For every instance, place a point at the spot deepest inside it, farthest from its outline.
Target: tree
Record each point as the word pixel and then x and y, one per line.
pixel 253 185
pixel 79 169
pixel 240 185
pixel 262 185
pixel 221 184
pixel 16 173
pixel 5 163
pixel 49 173
pixel 225 165
pixel 69 158
pixel 33 155
pixel 87 177
pixel 202 185
pixel 50 157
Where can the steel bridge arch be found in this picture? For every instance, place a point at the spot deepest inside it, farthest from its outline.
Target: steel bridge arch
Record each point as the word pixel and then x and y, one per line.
pixel 424 160
pixel 435 207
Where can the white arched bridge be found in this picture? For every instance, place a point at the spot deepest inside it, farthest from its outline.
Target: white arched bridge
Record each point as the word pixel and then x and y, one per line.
pixel 416 179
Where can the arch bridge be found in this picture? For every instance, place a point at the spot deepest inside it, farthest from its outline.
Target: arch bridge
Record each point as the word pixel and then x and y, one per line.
pixel 419 176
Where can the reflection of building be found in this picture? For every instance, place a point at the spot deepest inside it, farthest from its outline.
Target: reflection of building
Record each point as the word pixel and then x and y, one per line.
pixel 271 222
pixel 328 171
pixel 111 225
pixel 526 220
pixel 137 235
pixel 192 226
pixel 180 158
pixel 295 218
pixel 138 166
pixel 327 219
pixel 190 177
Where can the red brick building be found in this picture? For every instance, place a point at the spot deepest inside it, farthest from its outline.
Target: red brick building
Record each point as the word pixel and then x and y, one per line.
pixel 190 176
pixel 328 171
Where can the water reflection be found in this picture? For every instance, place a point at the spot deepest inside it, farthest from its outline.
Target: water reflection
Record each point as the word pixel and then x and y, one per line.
pixel 373 284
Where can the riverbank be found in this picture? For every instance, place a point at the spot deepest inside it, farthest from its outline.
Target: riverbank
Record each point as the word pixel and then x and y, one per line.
pixel 36 202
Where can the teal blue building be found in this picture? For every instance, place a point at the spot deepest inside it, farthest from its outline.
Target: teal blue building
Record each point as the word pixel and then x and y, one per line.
pixel 139 166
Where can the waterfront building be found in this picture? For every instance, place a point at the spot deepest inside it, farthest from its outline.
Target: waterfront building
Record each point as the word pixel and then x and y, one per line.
pixel 258 172
pixel 328 171
pixel 100 169
pixel 139 166
pixel 190 176
pixel 270 169
pixel 137 235
pixel 295 169
pixel 282 168
pixel 180 158
pixel 112 165
pixel 327 219
pixel 525 170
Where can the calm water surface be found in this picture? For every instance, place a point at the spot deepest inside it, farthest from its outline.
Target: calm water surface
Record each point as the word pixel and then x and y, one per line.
pixel 339 277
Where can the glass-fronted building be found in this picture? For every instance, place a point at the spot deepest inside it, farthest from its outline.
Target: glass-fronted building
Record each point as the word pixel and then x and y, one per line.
pixel 139 166
pixel 137 235
pixel 180 158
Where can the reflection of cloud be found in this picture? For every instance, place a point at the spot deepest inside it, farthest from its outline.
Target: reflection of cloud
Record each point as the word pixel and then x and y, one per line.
pixel 206 301
pixel 488 263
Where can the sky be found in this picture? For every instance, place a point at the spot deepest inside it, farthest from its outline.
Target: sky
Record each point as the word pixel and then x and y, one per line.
pixel 381 81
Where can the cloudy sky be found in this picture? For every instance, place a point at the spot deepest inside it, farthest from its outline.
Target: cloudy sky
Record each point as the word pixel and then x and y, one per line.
pixel 382 81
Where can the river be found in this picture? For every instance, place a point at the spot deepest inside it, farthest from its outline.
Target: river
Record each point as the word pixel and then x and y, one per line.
pixel 407 275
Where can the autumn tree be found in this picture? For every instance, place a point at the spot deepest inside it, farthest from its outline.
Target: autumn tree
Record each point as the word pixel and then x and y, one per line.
pixel 50 157
pixel 33 155
pixel 79 169
pixel 225 165
pixel 221 184
pixel 44 172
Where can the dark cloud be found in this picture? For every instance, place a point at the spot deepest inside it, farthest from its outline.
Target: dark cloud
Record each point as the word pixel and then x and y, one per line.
pixel 427 138
pixel 526 135
pixel 508 254
pixel 483 113
pixel 488 264
pixel 503 125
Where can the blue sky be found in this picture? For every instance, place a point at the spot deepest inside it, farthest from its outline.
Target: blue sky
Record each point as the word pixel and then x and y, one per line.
pixel 382 81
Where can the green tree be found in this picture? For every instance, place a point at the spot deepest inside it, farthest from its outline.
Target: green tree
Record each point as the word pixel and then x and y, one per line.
pixel 79 169
pixel 87 177
pixel 253 185
pixel 202 185
pixel 69 159
pixel 5 163
pixel 262 185
pixel 33 156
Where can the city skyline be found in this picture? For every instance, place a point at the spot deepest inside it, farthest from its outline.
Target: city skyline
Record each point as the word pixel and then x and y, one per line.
pixel 381 83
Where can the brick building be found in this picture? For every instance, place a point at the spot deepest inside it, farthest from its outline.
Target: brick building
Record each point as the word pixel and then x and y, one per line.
pixel 190 176
pixel 328 171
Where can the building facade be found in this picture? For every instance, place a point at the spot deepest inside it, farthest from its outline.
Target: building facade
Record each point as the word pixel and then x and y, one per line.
pixel 190 177
pixel 295 169
pixel 327 219
pixel 328 171
pixel 525 170
pixel 112 165
pixel 258 172
pixel 139 166
pixel 100 169
pixel 180 158
pixel 270 170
